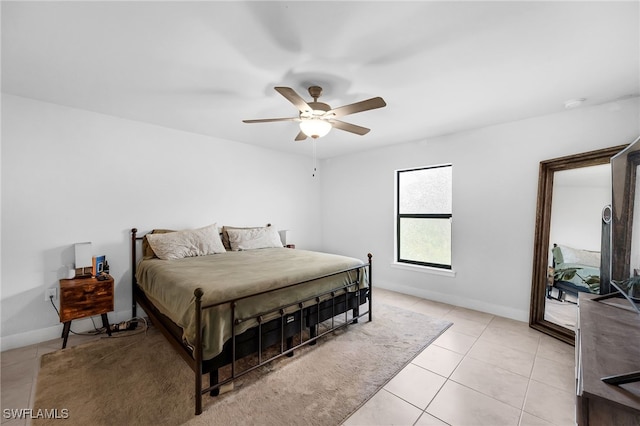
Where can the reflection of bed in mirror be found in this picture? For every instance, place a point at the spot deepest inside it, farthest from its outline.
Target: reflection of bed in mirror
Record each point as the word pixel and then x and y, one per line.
pixel 578 197
pixel 562 218
pixel 574 271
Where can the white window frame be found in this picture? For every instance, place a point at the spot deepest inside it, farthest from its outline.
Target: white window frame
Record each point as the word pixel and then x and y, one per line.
pixel 439 269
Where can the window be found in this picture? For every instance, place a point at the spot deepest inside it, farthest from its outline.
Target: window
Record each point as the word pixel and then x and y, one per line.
pixel 423 216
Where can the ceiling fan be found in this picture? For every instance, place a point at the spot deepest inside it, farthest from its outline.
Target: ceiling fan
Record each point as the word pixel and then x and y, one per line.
pixel 317 118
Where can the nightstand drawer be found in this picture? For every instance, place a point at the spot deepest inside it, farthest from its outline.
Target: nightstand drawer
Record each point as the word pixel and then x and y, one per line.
pixel 85 297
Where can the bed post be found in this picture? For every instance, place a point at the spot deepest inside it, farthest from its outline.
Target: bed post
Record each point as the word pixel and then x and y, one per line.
pixel 369 255
pixel 134 231
pixel 198 349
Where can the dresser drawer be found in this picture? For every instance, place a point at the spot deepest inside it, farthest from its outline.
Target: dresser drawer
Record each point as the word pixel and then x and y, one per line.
pixel 85 297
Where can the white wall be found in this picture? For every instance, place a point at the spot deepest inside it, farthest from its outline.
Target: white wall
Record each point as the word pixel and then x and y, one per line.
pixel 495 179
pixel 576 216
pixel 70 175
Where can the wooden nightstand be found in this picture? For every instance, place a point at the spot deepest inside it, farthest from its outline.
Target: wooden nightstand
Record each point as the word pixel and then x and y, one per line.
pixel 85 297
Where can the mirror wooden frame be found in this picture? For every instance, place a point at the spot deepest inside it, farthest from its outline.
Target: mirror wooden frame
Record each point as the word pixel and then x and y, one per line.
pixel 542 229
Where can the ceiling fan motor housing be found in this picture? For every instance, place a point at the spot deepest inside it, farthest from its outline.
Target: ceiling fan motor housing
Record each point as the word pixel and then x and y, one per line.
pixel 318 108
pixel 315 92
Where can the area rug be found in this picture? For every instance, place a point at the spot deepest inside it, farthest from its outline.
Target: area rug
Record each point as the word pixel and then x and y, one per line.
pixel 141 380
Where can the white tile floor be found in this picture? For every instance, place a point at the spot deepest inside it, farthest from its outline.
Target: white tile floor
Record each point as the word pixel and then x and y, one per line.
pixel 484 370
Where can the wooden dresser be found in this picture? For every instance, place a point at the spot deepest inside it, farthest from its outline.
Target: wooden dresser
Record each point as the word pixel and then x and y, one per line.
pixel 85 297
pixel 607 344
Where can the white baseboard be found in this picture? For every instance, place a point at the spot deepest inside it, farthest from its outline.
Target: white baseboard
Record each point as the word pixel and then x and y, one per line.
pixel 44 334
pixel 499 310
pixel 33 337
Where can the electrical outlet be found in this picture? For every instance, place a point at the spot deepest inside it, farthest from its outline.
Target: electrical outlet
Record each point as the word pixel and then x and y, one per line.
pixel 51 292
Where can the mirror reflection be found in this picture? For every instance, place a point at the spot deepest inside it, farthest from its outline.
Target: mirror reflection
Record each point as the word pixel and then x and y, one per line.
pixel 579 196
pixel 568 215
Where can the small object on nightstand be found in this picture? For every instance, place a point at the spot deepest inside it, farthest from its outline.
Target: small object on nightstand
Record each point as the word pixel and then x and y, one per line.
pixel 85 297
pixel 291 246
pixel 83 259
pixel 97 267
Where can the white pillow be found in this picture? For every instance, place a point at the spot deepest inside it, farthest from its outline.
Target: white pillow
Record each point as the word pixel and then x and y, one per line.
pixel 187 243
pixel 580 257
pixel 253 238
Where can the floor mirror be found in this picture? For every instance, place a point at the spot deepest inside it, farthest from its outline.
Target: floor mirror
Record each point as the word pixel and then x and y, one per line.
pixel 572 191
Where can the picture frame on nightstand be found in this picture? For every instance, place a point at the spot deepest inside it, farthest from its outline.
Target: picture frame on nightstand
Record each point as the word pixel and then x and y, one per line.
pixel 97 265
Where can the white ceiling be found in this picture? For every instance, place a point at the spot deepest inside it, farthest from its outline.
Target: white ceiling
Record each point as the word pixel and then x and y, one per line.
pixel 202 67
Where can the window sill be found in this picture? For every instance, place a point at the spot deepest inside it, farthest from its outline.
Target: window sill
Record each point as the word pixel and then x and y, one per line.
pixel 424 269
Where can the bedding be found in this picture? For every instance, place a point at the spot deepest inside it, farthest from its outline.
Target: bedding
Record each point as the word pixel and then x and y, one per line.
pixel 577 268
pixel 255 238
pixel 187 243
pixel 225 234
pixel 231 275
pixel 147 251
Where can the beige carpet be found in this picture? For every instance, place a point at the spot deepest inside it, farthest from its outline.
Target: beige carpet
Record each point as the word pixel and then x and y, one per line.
pixel 142 380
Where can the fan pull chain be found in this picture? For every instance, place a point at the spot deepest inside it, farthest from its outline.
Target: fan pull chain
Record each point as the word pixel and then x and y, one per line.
pixel 314 157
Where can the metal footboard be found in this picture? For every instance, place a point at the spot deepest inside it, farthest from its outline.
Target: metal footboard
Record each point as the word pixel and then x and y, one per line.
pixel 318 305
pixel 303 307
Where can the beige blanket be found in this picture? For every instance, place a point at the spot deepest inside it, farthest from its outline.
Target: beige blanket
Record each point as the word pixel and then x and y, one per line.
pixel 169 284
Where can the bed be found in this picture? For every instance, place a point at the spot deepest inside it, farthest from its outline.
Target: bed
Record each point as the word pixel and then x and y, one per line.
pixel 574 271
pixel 222 297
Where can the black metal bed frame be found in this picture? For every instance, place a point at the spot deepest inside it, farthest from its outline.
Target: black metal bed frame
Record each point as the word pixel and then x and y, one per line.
pixel 326 306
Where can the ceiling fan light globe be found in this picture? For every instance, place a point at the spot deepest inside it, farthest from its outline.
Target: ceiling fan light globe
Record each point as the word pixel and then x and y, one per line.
pixel 315 128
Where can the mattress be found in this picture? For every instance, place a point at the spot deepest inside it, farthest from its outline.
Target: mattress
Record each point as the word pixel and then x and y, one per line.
pixel 253 278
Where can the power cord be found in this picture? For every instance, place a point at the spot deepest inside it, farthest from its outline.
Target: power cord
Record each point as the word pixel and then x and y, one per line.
pixel 123 326
pixel 95 331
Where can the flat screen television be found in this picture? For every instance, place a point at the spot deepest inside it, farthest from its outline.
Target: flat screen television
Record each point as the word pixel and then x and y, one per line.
pixel 625 218
pixel 621 238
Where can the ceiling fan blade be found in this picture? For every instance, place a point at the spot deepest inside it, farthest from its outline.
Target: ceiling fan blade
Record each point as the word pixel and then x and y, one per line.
pixel 301 136
pixel 372 103
pixel 348 127
pixel 294 98
pixel 269 120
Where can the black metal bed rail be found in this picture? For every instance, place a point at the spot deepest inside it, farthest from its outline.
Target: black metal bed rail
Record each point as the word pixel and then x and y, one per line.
pixel 197 352
pixel 283 311
pixel 351 283
pixel 298 283
pixel 135 237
